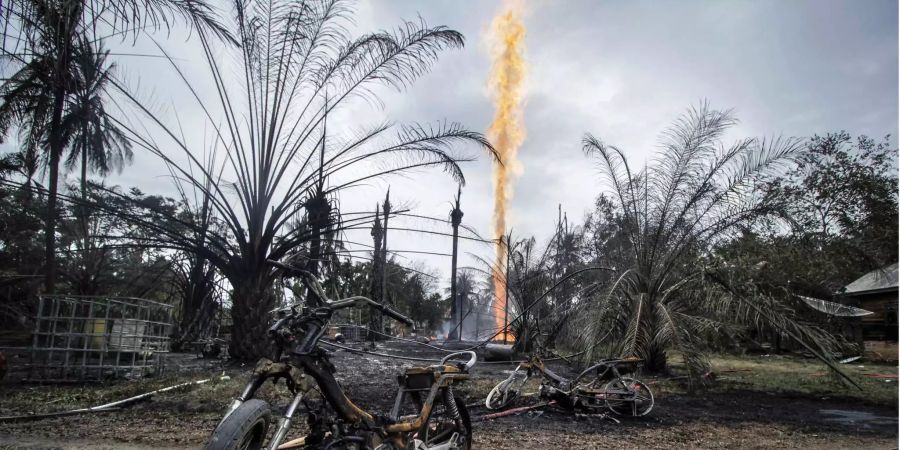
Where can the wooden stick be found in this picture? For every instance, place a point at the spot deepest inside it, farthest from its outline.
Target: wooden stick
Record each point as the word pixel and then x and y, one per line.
pixel 299 442
pixel 512 411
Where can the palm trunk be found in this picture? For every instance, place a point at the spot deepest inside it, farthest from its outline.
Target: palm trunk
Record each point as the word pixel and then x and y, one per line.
pixel 84 158
pixel 319 211
pixel 251 302
pixel 83 209
pixel 53 180
pixel 374 282
pixel 654 354
pixel 455 308
pixel 656 360
pixel 198 305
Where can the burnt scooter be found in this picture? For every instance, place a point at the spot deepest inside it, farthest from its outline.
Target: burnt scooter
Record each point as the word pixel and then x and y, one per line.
pixel 600 386
pixel 441 421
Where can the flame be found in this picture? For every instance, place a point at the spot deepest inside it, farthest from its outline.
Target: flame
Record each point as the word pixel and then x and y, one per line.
pixel 507 338
pixel 507 132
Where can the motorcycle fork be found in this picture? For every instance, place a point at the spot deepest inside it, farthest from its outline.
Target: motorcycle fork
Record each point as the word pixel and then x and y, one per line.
pixel 284 424
pixel 255 382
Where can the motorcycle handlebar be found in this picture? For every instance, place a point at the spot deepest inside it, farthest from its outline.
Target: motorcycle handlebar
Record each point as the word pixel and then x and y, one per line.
pixel 307 278
pixel 395 315
pixel 313 284
pixel 471 362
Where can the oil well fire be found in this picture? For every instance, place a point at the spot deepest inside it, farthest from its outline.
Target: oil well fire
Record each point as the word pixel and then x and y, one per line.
pixel 507 132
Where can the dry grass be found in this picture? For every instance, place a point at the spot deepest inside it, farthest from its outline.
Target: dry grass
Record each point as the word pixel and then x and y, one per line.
pixel 723 416
pixel 775 374
pixel 211 396
pixel 803 377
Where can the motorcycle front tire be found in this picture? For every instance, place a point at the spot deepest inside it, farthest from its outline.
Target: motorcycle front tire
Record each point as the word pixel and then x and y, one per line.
pixel 245 428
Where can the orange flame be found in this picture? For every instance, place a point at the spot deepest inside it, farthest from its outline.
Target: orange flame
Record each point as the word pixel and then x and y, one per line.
pixel 507 338
pixel 507 131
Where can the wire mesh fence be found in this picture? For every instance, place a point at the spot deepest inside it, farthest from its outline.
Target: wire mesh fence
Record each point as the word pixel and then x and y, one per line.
pixel 79 338
pixel 350 332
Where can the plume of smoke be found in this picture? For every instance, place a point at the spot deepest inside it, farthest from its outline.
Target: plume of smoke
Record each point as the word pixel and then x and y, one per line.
pixel 507 131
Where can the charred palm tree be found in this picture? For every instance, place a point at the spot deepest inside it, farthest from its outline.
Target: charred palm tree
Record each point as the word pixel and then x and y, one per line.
pixel 198 291
pixel 563 256
pixel 695 192
pixel 297 65
pixel 322 217
pixel 197 282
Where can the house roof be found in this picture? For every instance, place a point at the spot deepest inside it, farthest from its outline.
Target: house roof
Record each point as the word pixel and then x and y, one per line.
pixel 884 279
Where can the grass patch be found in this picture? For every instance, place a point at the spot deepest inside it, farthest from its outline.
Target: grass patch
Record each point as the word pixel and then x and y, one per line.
pixel 803 377
pixel 774 374
pixel 479 388
pixel 215 394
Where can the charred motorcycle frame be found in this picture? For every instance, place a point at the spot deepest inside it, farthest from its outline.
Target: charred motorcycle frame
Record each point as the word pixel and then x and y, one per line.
pixel 335 422
pixel 600 387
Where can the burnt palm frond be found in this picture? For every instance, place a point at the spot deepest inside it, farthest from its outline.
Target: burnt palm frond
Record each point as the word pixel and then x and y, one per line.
pixel 281 170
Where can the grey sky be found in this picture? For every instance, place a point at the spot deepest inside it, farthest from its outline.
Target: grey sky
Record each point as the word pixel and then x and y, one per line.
pixel 622 70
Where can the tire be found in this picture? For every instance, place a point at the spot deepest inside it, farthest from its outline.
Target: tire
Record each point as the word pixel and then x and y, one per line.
pixel 244 429
pixel 438 423
pixel 628 397
pixel 501 395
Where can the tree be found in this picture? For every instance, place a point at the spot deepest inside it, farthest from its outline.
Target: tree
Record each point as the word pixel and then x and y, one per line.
pixel 462 309
pixel 696 192
pixel 20 243
pixel 841 203
pixel 34 98
pixel 411 290
pixel 102 253
pixel 96 141
pixel 298 65
pixel 46 37
pixel 605 240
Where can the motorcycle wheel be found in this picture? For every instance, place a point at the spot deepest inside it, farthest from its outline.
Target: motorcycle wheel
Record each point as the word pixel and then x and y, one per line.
pixel 439 427
pixel 244 429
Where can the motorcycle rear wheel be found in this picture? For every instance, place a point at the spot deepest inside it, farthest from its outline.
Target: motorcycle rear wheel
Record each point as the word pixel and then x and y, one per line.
pixel 439 426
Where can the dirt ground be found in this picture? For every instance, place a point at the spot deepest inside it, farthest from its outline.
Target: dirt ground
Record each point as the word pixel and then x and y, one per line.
pixel 727 416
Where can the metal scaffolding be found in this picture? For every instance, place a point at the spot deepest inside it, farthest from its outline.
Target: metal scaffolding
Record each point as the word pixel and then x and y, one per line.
pixel 78 338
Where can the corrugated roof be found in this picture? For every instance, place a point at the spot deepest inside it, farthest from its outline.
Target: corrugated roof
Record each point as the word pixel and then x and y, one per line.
pixel 876 280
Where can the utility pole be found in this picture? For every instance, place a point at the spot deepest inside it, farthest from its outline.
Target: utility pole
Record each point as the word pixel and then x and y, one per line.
pixel 506 292
pixel 375 286
pixel 384 252
pixel 456 306
pixel 477 324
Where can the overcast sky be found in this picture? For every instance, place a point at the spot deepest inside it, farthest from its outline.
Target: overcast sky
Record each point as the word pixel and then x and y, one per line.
pixel 622 70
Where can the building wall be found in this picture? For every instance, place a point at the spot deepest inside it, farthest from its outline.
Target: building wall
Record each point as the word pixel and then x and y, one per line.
pixel 882 325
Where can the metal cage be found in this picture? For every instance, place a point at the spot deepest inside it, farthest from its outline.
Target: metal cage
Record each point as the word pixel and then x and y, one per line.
pixel 80 338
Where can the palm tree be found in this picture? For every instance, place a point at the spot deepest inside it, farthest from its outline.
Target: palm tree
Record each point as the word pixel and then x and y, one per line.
pixel 89 134
pixel 26 103
pixel 34 98
pixel 95 140
pixel 695 192
pixel 45 38
pixel 298 65
pixel 462 308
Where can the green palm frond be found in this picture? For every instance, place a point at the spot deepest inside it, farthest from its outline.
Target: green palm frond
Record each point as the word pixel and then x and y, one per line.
pixel 695 192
